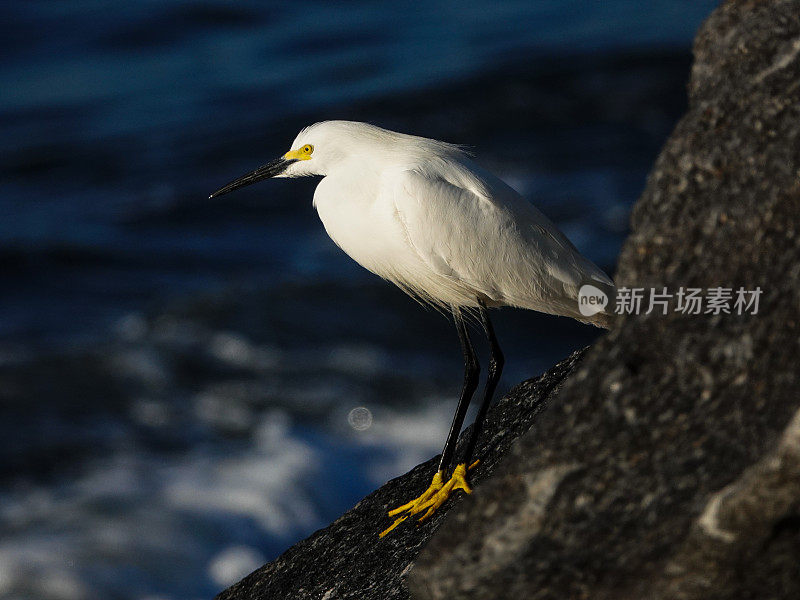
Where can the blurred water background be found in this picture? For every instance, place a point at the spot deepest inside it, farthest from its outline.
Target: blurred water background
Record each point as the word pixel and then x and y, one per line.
pixel 177 375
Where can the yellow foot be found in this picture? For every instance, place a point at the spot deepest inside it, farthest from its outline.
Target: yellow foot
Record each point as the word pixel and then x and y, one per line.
pixel 436 495
pixel 435 486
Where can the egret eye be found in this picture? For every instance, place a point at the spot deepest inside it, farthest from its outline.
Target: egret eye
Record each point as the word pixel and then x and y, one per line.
pixel 308 149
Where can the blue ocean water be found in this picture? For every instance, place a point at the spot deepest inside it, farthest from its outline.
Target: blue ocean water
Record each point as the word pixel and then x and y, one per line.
pixel 177 375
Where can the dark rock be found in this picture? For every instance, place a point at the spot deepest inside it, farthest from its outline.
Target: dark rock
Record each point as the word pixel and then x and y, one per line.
pixel 348 560
pixel 668 465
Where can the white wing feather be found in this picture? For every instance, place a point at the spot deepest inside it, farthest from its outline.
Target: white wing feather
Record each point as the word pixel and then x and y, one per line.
pixel 489 243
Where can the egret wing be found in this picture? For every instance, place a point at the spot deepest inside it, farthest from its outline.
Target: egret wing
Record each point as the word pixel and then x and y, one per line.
pixel 489 243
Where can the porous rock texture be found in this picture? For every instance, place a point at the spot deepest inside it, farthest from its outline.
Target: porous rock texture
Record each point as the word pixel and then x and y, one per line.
pixel 664 463
pixel 668 465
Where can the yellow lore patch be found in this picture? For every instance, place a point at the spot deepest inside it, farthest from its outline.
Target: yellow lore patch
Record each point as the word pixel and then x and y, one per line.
pixel 303 153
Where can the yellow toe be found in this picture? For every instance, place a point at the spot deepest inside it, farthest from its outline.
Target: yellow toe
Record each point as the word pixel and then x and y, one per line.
pixel 459 478
pixel 435 486
pixel 392 526
pixel 410 507
pixel 456 482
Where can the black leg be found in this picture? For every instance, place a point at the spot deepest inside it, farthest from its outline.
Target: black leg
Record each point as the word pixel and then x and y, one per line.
pixel 471 372
pixel 496 362
pixel 439 491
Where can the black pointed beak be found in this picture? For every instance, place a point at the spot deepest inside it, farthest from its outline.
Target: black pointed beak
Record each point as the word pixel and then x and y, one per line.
pixel 271 169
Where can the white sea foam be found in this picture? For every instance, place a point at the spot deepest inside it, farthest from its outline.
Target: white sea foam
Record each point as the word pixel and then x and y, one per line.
pixel 233 563
pixel 141 525
pixel 133 511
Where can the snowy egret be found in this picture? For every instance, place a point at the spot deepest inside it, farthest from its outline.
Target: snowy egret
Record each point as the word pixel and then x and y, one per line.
pixel 421 214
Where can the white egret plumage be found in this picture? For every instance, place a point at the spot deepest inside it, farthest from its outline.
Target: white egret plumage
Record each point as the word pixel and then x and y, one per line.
pixel 421 214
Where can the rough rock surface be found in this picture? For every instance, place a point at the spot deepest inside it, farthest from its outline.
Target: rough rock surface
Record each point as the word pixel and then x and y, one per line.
pixel 668 465
pixel 348 560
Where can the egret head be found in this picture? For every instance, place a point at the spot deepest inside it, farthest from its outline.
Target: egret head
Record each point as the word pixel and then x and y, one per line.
pixel 314 151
